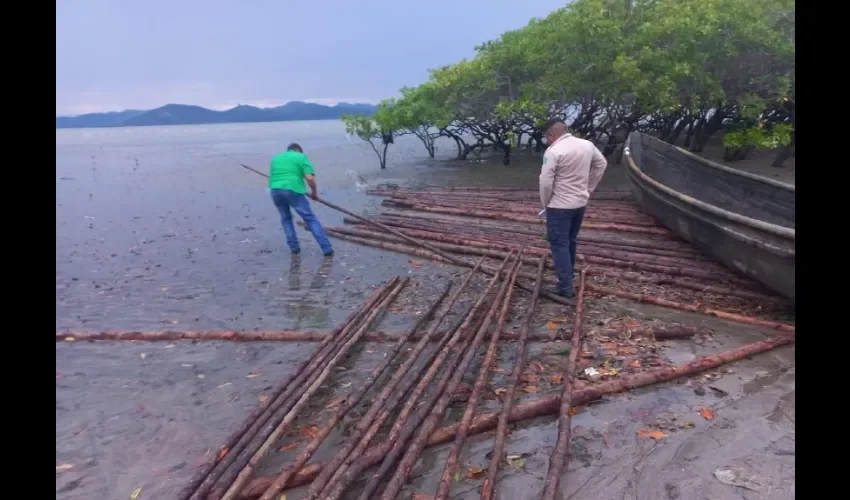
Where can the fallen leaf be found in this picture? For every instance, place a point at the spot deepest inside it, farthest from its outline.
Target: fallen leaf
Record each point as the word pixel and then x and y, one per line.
pixel 551 325
pixel 529 377
pixel 654 434
pixel 263 398
pixel 538 366
pixel 635 364
pixel 473 472
pixel 627 351
pixel 221 453
pixel 530 389
pixel 687 425
pixel 311 432
pixel 345 386
pixel 706 413
pixel 573 411
pixel 333 404
pixel 414 264
pixel 514 460
pixel 631 324
pixel 64 467
pixel 557 378
pixel 252 375
pixel 282 497
pixel 422 496
pixel 69 339
pixel 288 447
pixel 500 391
pixel 135 494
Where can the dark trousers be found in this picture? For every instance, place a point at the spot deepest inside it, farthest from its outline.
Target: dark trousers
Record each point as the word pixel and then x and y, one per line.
pixel 286 201
pixel 562 225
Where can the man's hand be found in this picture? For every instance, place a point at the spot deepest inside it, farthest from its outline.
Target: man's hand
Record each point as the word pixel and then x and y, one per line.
pixel 314 195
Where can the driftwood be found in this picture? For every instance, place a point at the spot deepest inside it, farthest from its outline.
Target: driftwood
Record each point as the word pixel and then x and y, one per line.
pixel 548 405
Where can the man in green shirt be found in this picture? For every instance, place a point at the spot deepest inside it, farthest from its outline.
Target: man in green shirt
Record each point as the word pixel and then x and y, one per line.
pixel 287 175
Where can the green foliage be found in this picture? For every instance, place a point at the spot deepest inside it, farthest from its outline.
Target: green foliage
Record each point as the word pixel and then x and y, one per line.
pixel 612 65
pixel 759 137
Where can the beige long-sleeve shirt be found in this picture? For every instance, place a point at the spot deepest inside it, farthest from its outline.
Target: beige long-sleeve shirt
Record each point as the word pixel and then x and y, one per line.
pixel 572 168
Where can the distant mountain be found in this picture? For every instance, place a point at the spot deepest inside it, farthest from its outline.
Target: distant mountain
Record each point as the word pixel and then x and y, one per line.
pixel 183 114
pixel 113 119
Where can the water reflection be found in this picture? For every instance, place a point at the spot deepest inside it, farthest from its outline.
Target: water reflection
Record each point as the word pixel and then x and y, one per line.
pixel 310 308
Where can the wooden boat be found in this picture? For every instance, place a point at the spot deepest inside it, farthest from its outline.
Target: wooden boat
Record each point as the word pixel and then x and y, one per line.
pixel 743 220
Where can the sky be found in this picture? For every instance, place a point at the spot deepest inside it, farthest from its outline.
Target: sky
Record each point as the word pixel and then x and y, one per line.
pixel 141 54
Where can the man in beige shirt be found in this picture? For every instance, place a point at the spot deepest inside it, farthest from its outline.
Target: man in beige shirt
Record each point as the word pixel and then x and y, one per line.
pixel 572 168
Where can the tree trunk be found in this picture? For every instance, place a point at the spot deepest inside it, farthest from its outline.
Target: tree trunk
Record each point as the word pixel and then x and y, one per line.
pixel 677 131
pixel 709 127
pixel 736 154
pixel 384 156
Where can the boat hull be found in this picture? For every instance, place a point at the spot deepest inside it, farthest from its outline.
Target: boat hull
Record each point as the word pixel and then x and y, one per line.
pixel 766 255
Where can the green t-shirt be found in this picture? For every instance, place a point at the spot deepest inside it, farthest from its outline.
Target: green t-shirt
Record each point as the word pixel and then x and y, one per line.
pixel 287 171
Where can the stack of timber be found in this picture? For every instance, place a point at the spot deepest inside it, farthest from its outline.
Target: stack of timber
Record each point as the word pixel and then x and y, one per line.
pixel 626 253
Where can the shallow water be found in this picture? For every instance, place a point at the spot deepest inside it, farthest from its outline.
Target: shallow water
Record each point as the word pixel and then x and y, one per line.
pixel 159 228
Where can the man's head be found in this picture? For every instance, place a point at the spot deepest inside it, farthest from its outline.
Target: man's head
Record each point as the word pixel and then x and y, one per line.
pixel 295 147
pixel 553 130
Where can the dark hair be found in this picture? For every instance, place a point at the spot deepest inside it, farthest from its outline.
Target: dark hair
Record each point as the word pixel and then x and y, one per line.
pixel 551 123
pixel 294 147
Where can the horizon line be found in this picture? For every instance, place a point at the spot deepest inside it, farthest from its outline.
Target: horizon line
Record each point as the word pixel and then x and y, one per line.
pixel 225 107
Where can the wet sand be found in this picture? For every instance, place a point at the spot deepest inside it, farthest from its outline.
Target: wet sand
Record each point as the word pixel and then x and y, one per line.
pixel 128 421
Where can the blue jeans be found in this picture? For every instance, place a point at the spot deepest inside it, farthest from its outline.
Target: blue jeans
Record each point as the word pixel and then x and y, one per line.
pixel 286 201
pixel 562 225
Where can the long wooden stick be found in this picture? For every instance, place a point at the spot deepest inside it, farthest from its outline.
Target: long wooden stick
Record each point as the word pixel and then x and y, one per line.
pixel 386 228
pixel 483 373
pixel 350 402
pixel 206 476
pixel 501 431
pixel 402 430
pixel 447 257
pixel 660 332
pixel 418 443
pixel 558 458
pixel 548 405
pixel 380 409
pixel 739 318
pixel 246 472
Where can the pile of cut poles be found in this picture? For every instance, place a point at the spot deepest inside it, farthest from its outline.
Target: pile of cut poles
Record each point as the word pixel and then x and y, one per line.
pixel 405 400
pixel 618 243
pixel 412 399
